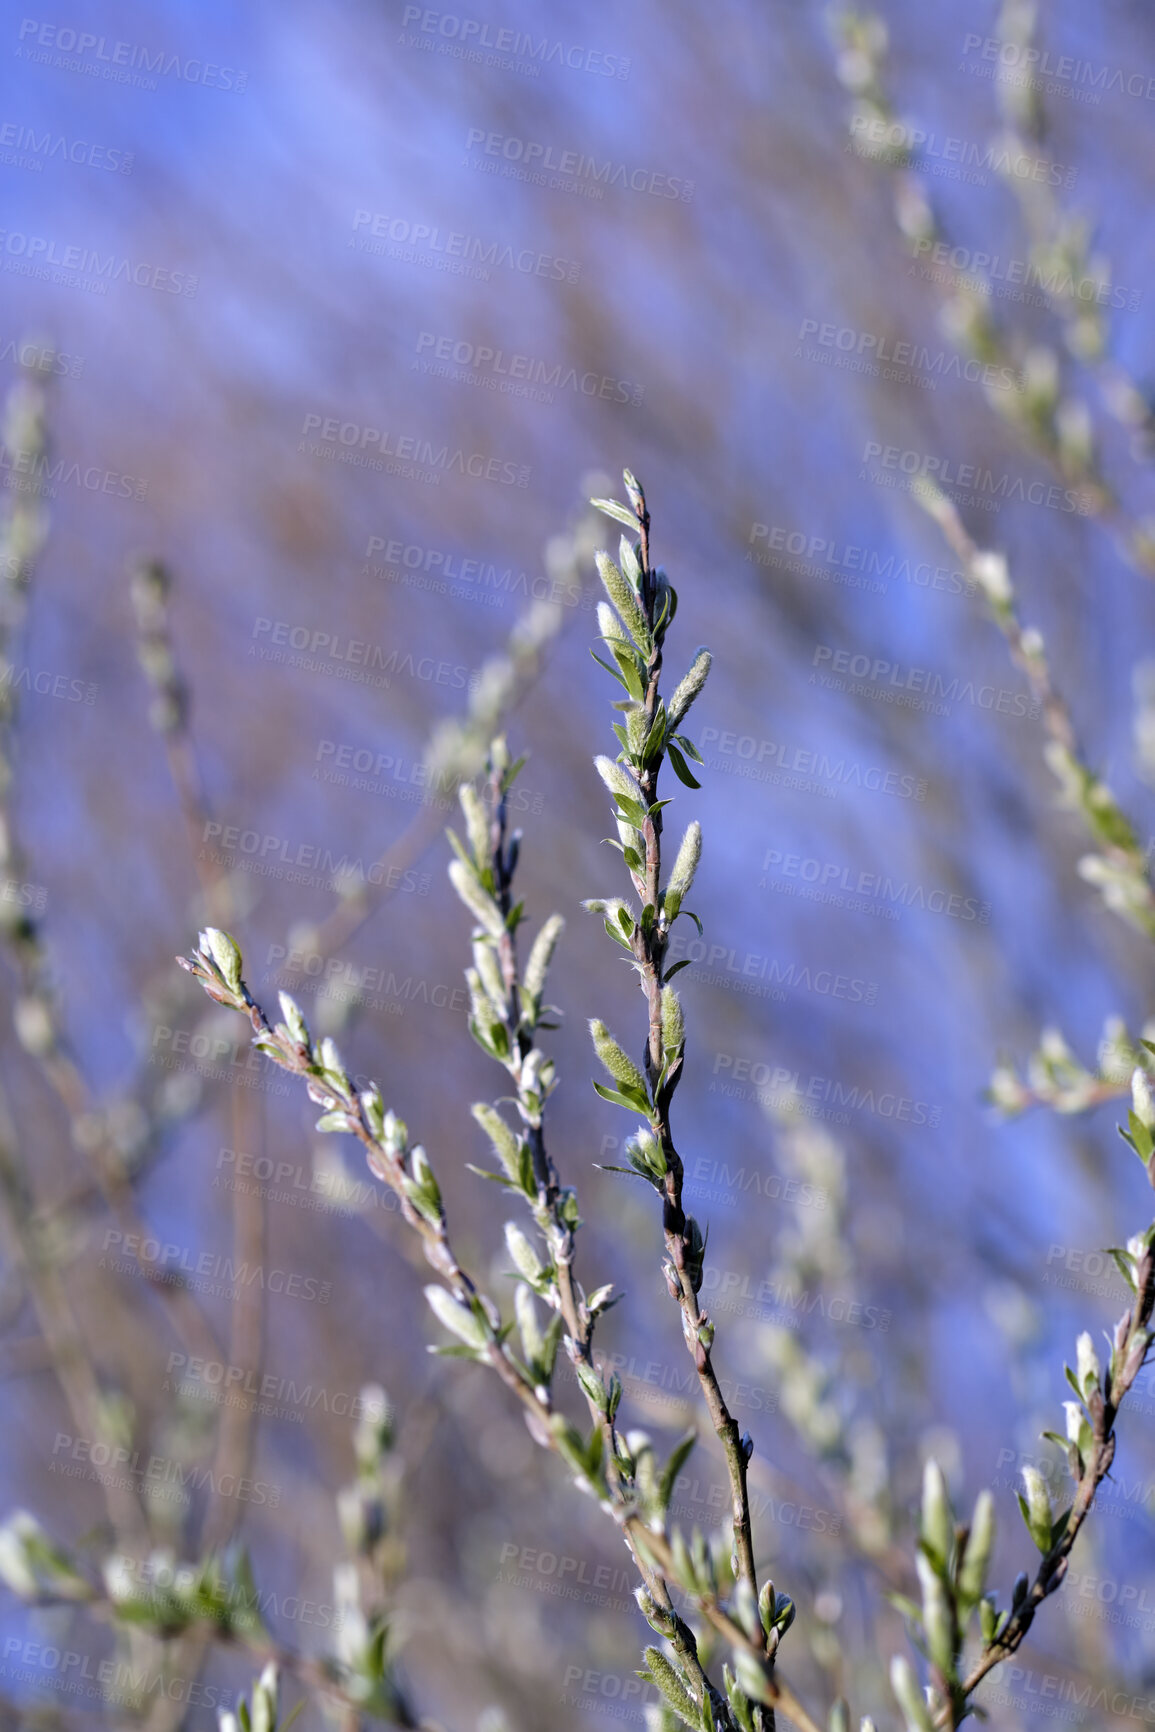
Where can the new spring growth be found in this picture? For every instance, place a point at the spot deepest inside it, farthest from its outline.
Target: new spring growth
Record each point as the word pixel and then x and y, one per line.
pixel 1036 1507
pixel 476 822
pixel 294 1020
pixel 1079 1435
pixel 972 1575
pixel 936 1616
pixel 506 1146
pixel 373 1434
pixel 647 1157
pixel 525 1258
pixel 489 975
pixel 775 1612
pixel 685 866
pixel 461 1320
pixel 619 781
pixel 217 965
pixel 660 1672
pixel 625 600
pixel 539 1355
pixel 990 572
pixel 934 1562
pixel 908 1695
pixel 673 1025
pixel 1140 1131
pixel 1086 1366
pixel 619 1065
pixel 476 898
pixel 262 1716
pixel 689 686
pixel 537 967
pixel 937 1519
pixel 31 1564
pixel 609 626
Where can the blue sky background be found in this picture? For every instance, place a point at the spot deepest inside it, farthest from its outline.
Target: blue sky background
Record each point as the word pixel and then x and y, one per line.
pixel 703 302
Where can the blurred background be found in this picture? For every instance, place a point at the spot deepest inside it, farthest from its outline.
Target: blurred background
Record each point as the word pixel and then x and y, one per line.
pixel 340 312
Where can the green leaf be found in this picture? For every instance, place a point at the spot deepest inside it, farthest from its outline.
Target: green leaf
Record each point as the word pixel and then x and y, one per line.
pixel 631 1099
pixel 1140 1138
pixel 629 562
pixel 498 1178
pixel 1038 1524
pixel 972 1572
pixel 670 972
pixel 620 513
pixel 1123 1264
pixel 680 768
pixel 907 1607
pixel 526 1176
pixel 656 738
pixel 513 772
pixel 678 1457
pixel 631 676
pixel 689 748
pixel 631 810
pixel 609 669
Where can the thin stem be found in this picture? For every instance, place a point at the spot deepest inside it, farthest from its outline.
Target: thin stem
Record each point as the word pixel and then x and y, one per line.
pixel 335 1094
pixel 1131 1346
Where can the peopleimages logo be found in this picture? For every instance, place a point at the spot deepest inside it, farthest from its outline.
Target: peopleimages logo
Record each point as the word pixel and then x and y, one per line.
pixel 357 443
pixel 719 965
pixel 915 688
pixel 1037 65
pixel 903 362
pixel 1055 283
pixel 786 1085
pixel 85 1458
pixel 980 486
pixel 513 374
pixel 42 357
pixel 574 165
pixel 954 158
pixel 170 1261
pixel 847 563
pixel 453 250
pixel 864 892
pixel 35 255
pixel 802 768
pixel 478 39
pixel 32 146
pixel 444 572
pixel 117 61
